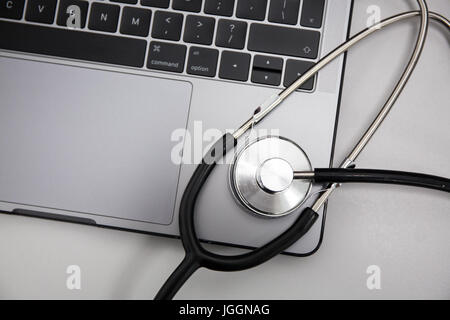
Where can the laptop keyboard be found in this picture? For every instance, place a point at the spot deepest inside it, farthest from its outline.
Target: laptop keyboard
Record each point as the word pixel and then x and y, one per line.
pixel 254 41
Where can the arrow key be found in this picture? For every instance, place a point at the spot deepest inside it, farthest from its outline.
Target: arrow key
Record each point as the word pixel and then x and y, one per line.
pixel 269 77
pixel 294 69
pixel 266 62
pixel 234 66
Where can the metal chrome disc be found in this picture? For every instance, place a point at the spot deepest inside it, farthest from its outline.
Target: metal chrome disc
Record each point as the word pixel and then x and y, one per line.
pixel 261 176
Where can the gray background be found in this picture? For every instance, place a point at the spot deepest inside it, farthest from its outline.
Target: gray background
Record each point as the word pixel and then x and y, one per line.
pixel 402 230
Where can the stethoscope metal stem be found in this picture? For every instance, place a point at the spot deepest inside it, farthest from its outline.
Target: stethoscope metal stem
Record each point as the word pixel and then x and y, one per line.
pixel 351 158
pixel 197 256
pixel 304 175
pixel 270 104
pixel 269 107
pixel 397 89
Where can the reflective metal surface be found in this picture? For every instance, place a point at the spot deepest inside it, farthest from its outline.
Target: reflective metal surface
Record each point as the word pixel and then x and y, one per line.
pixel 261 176
pixel 273 102
pixel 275 175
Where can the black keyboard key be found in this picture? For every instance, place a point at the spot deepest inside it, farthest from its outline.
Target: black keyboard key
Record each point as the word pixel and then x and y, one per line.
pixel 42 11
pixel 284 41
pixel 202 61
pixel 72 44
pixel 269 63
pixel 251 9
pixel 104 17
pixel 12 9
pixel 72 13
pixel 125 1
pixel 234 66
pixel 166 56
pixel 220 7
pixel 231 34
pixel 267 70
pixel 294 69
pixel 264 76
pixel 135 21
pixel 187 5
pixel 155 3
pixel 312 13
pixel 167 25
pixel 284 11
pixel 199 29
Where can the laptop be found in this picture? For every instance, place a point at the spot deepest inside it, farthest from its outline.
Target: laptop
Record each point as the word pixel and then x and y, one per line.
pixel 107 106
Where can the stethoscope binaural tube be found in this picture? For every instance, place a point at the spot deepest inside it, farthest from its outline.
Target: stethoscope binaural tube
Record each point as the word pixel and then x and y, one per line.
pixel 196 255
pixel 238 262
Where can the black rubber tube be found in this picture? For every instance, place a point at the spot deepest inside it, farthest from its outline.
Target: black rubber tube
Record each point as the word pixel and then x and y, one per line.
pixel 197 256
pixel 414 179
pixel 177 279
pixel 238 262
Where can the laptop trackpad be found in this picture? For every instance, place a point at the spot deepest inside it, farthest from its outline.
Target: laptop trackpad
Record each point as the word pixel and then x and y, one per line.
pixel 89 141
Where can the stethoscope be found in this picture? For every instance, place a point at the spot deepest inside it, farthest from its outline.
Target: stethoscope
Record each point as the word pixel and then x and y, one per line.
pixel 278 182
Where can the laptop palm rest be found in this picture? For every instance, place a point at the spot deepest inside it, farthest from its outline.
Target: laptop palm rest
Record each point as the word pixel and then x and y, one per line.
pixel 89 141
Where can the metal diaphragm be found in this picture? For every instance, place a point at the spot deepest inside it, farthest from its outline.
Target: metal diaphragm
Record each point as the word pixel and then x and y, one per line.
pixel 262 176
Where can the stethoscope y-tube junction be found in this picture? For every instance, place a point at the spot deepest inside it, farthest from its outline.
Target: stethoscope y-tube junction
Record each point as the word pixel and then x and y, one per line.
pixel 197 256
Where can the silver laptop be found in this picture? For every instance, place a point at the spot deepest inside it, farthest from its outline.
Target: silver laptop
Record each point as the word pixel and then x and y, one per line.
pixel 106 106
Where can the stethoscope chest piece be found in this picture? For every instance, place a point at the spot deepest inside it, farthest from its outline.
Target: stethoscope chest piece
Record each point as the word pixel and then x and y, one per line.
pixel 262 176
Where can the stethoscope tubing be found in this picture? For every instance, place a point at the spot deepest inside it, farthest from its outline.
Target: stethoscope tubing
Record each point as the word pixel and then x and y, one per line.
pixel 196 255
pixel 340 175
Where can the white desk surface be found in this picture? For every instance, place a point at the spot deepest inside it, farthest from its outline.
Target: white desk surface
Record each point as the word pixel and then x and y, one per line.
pixel 405 231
